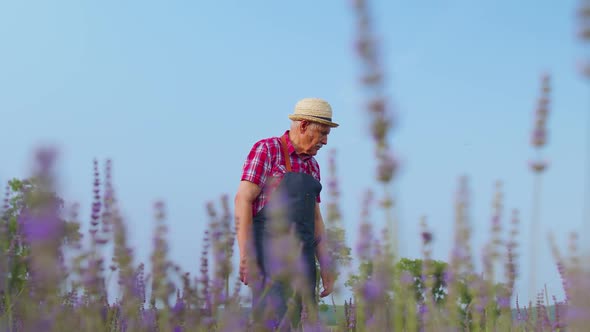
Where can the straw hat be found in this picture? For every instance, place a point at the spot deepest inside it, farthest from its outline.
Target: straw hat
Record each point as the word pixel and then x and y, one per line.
pixel 315 110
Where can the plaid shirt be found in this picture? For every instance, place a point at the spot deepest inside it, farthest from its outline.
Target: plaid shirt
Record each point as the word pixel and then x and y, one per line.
pixel 265 166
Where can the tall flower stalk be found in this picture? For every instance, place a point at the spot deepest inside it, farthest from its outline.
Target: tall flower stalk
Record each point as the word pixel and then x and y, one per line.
pixel 584 35
pixel 381 121
pixel 461 263
pixel 380 115
pixel 339 252
pixel 538 166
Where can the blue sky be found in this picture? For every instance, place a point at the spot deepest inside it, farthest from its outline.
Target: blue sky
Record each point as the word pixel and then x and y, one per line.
pixel 176 92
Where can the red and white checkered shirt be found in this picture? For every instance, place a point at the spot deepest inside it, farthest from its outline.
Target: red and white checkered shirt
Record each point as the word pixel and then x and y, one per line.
pixel 265 166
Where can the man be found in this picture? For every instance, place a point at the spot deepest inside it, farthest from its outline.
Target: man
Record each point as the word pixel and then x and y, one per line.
pixel 281 173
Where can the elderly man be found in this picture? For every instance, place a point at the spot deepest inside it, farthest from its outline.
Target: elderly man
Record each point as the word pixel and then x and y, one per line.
pixel 284 169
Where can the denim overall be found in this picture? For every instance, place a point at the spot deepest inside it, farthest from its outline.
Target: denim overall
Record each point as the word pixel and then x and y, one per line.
pixel 296 196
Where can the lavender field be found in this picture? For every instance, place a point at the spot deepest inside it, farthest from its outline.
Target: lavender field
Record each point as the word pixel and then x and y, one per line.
pixel 64 271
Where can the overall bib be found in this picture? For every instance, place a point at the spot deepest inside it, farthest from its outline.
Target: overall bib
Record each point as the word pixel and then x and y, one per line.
pixel 296 197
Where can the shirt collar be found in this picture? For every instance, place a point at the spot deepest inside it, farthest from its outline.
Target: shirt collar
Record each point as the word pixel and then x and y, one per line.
pixel 291 148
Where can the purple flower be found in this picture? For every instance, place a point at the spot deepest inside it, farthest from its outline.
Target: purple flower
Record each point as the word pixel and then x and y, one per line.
pixel 271 323
pixel 518 313
pixel 373 289
pixel 45 159
pixel 178 307
pixel 459 253
pixel 422 310
pixel 406 278
pixel 149 318
pixel 387 166
pixel 564 280
pixel 364 241
pixel 41 227
pixel 504 302
pixel 539 137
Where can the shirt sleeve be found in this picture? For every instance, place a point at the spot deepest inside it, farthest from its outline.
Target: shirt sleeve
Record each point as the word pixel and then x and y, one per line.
pixel 257 165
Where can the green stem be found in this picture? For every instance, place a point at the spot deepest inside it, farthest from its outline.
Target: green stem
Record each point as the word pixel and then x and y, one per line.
pixel 534 236
pixel 8 306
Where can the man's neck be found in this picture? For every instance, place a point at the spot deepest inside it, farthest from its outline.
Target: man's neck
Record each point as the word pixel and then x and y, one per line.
pixel 294 141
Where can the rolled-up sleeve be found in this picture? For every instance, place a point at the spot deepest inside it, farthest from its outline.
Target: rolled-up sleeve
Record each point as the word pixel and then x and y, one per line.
pixel 257 165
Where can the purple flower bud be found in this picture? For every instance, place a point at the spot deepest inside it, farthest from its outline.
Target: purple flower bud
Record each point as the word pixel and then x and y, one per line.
pixel 539 137
pixel 387 167
pixel 426 237
pixel 538 166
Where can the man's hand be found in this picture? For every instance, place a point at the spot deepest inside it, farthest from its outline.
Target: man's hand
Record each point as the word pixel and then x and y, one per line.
pixel 322 255
pixel 249 271
pixel 244 270
pixel 327 282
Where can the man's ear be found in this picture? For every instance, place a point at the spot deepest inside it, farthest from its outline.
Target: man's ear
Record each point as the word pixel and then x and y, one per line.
pixel 304 124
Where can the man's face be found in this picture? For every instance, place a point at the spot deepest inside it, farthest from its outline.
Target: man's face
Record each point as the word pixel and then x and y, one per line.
pixel 314 136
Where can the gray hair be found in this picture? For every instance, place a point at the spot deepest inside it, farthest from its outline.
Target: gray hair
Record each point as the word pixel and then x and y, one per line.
pixel 295 124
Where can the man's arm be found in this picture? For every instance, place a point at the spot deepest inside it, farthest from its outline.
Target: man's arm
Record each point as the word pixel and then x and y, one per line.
pixel 247 193
pixel 320 235
pixel 322 253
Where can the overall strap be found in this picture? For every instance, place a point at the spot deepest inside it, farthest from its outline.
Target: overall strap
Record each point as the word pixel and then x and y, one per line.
pixel 286 153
